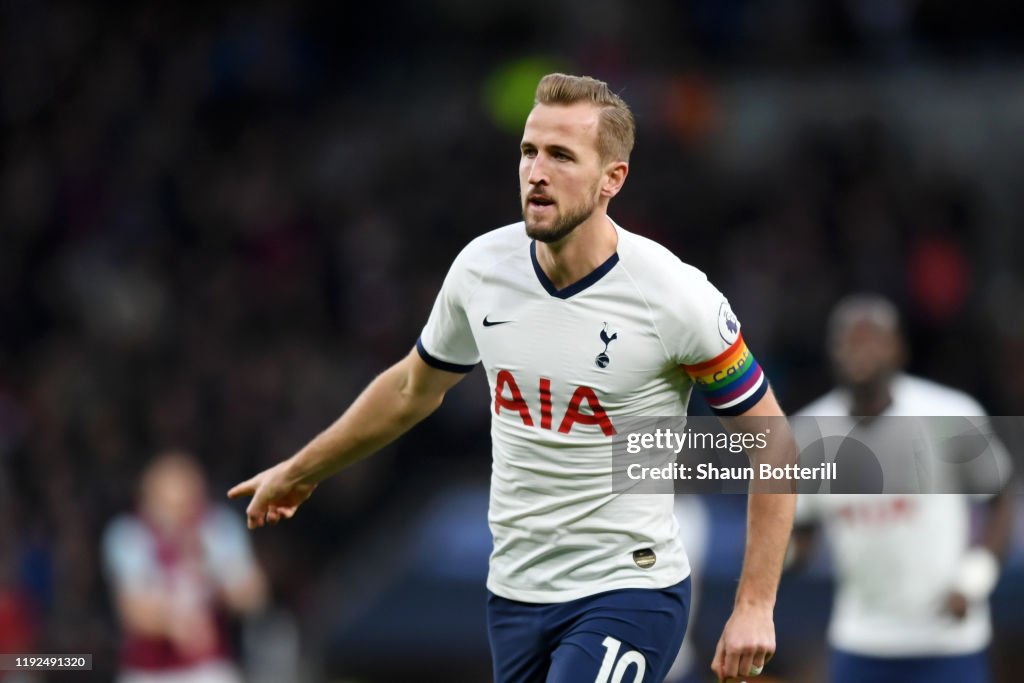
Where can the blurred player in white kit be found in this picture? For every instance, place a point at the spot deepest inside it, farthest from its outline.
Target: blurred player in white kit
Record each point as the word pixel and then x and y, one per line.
pixel 912 595
pixel 178 567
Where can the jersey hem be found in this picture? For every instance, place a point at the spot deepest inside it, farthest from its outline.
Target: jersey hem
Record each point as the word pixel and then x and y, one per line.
pixel 559 596
pixel 949 649
pixel 962 640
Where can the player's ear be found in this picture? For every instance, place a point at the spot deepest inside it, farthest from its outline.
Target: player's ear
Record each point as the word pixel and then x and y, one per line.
pixel 615 174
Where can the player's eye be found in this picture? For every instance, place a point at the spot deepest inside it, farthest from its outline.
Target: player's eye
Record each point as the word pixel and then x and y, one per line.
pixel 529 152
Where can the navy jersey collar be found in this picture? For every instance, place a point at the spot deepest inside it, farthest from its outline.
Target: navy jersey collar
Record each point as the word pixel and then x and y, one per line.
pixel 576 287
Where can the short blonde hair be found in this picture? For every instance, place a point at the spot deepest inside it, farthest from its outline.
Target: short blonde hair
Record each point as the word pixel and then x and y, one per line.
pixel 616 131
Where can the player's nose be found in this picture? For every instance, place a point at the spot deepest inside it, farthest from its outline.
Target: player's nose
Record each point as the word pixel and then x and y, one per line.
pixel 538 172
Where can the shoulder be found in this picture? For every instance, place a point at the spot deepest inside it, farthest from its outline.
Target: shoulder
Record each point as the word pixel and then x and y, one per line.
pixel 496 243
pixel 125 529
pixel 656 270
pixel 127 546
pixel 690 315
pixel 920 396
pixel 483 252
pixel 649 259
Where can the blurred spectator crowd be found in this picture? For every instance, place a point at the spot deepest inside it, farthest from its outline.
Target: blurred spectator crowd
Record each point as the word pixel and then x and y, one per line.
pixel 217 223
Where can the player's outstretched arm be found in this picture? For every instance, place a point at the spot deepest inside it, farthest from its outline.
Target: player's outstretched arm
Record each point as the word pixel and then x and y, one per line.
pixel 748 639
pixel 978 572
pixel 391 404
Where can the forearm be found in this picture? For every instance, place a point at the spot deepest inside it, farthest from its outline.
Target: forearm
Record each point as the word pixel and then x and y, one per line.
pixel 769 524
pixel 770 507
pixel 995 536
pixel 386 409
pixel 247 595
pixel 144 614
pixel 978 573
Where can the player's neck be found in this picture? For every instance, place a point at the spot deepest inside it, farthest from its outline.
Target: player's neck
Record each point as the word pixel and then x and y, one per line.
pixel 870 400
pixel 577 255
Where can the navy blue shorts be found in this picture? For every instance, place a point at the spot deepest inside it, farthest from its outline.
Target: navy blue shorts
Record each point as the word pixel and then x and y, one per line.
pixel 850 668
pixel 631 635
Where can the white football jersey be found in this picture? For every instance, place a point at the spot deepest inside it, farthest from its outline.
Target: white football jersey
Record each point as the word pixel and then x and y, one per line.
pixel 563 367
pixel 896 556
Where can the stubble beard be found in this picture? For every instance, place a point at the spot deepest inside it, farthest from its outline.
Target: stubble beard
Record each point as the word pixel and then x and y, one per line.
pixel 563 225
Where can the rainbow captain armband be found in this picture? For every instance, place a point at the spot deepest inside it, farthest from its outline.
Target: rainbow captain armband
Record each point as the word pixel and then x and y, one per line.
pixel 731 382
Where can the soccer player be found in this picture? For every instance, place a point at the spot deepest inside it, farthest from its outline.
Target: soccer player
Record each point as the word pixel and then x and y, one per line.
pixel 912 595
pixel 578 323
pixel 178 568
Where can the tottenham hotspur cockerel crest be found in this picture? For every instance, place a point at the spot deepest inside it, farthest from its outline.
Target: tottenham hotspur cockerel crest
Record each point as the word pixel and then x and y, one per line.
pixel 602 359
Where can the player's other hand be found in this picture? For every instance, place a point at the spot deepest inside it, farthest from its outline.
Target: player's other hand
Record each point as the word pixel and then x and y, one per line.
pixel 956 604
pixel 192 632
pixel 275 495
pixel 746 645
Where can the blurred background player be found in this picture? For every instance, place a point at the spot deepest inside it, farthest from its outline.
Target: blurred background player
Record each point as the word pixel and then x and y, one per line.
pixel 178 567
pixel 912 593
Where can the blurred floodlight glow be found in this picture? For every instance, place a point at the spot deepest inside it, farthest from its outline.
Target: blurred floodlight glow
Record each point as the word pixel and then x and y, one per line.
pixel 508 91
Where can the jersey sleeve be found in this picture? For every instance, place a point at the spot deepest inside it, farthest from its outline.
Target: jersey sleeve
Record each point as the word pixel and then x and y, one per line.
pixel 983 464
pixel 715 356
pixel 447 342
pixel 128 556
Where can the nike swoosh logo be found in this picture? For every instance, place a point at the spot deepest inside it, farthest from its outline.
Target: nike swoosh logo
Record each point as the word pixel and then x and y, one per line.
pixel 491 323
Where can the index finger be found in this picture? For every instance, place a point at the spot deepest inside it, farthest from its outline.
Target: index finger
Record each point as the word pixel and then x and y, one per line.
pixel 246 488
pixel 716 661
pixel 718 664
pixel 730 664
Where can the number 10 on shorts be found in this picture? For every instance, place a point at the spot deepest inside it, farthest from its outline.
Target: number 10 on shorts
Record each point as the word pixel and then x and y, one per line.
pixel 614 668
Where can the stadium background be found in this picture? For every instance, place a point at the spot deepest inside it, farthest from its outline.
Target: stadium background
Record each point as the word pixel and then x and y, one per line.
pixel 217 223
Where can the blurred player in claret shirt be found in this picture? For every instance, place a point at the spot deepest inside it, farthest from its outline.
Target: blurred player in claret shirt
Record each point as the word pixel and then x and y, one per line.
pixel 912 596
pixel 178 567
pixel 578 324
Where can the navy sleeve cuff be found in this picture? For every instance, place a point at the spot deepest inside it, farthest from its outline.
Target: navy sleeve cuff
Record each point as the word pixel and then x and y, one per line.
pixel 441 364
